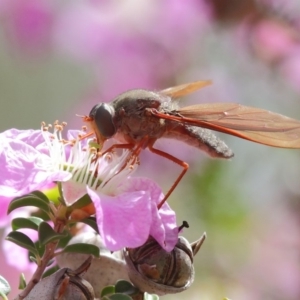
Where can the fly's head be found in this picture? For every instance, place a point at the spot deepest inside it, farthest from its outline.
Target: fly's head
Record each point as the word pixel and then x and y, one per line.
pixel 127 115
pixel 101 120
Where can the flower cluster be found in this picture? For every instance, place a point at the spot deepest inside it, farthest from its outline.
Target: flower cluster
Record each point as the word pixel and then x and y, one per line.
pixel 125 207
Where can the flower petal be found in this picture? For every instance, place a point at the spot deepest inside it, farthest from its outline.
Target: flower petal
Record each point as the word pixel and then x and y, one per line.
pixel 30 136
pixel 22 169
pixel 73 191
pixel 163 227
pixel 124 220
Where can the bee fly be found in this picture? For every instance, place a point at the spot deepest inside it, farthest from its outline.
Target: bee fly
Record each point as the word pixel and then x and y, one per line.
pixel 137 118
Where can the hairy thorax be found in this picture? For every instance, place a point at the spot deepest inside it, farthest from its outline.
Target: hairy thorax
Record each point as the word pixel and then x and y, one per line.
pixel 132 119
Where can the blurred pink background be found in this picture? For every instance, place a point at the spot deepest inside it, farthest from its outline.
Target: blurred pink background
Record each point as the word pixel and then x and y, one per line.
pixel 59 58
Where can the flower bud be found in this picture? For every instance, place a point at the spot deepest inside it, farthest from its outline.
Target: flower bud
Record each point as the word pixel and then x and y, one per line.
pixel 154 270
pixel 64 284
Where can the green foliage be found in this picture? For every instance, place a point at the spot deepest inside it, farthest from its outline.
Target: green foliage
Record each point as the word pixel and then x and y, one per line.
pixel 82 202
pixel 41 196
pixel 50 271
pixel 117 297
pixel 31 223
pixel 40 248
pixel 91 221
pixel 47 234
pixel 125 287
pixel 36 199
pixel 124 290
pixel 110 289
pixel 22 282
pixel 83 248
pixel 22 240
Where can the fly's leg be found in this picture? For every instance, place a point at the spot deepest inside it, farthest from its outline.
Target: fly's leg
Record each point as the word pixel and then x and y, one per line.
pixel 135 149
pixel 181 163
pixel 133 157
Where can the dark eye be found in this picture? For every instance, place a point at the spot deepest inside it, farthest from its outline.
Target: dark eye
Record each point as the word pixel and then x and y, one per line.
pixel 103 116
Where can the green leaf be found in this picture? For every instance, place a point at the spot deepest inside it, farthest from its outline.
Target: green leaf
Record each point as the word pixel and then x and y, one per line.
pixel 31 222
pixel 28 200
pixel 50 271
pixel 4 286
pixel 47 234
pixel 117 297
pixel 83 248
pixel 22 240
pixel 22 282
pixel 50 262
pixel 32 259
pixel 91 221
pixel 82 202
pixel 125 287
pixel 110 289
pixel 150 296
pixel 40 248
pixel 63 242
pixel 41 196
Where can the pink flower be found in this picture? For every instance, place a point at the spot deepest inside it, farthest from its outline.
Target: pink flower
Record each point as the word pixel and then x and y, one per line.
pixel 28 23
pixel 273 40
pixel 22 173
pixel 115 36
pixel 133 213
pixel 25 165
pixel 126 208
pixel 290 69
pixel 89 30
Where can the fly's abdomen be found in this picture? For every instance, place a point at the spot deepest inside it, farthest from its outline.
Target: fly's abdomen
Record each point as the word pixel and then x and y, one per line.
pixel 200 138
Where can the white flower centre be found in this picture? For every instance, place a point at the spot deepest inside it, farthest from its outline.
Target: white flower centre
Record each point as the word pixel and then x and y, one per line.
pixel 86 164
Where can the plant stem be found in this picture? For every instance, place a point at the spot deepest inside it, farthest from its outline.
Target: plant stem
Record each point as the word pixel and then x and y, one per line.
pixel 47 256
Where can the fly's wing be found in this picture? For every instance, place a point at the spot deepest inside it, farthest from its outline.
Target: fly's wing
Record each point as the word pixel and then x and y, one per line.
pixel 249 123
pixel 185 89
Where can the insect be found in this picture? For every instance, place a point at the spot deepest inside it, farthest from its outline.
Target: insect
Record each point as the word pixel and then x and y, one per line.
pixel 138 118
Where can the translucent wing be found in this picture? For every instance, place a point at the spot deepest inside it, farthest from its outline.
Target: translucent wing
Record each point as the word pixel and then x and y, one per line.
pixel 249 123
pixel 185 89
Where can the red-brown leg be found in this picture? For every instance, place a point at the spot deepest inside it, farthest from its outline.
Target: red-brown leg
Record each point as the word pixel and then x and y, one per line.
pixel 136 149
pixel 181 163
pixel 135 152
pixel 86 135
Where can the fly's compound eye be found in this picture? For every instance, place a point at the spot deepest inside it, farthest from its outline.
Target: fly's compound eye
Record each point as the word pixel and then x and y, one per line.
pixel 103 116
